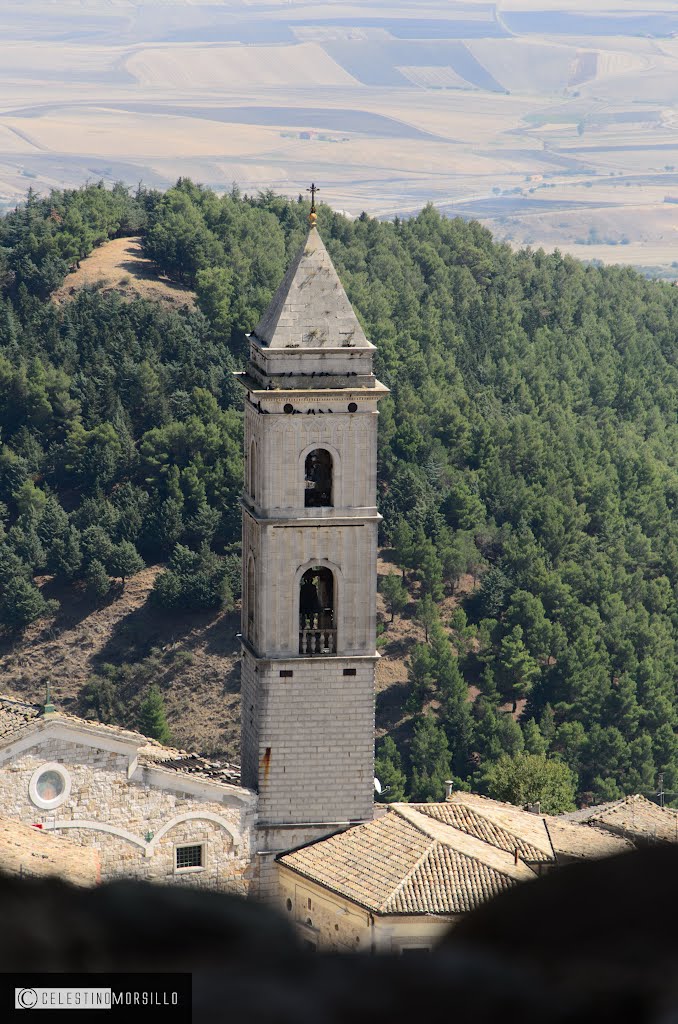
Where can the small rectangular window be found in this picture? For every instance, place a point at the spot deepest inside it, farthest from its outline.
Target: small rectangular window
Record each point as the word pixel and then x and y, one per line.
pixel 349 671
pixel 187 857
pixel 286 673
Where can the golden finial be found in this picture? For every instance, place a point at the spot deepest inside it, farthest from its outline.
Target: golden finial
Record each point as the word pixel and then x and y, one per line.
pixel 313 216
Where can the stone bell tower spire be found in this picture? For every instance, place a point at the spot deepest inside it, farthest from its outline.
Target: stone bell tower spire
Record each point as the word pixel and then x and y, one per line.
pixel 309 557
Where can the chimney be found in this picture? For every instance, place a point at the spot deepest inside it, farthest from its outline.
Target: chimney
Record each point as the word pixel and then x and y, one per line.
pixel 534 808
pixel 449 787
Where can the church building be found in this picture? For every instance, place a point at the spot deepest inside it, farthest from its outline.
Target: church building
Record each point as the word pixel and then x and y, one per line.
pixel 296 824
pixel 308 636
pixel 309 552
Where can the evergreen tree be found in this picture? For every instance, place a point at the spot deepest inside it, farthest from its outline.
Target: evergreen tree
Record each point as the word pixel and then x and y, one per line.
pixel 21 603
pixel 395 594
pixel 389 770
pixel 97 579
pixel 534 741
pixel 426 613
pixel 65 555
pixel 430 758
pixel 518 666
pixel 403 544
pixel 124 561
pixel 152 717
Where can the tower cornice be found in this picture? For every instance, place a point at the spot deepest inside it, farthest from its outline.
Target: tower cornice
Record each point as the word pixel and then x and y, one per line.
pixel 357 391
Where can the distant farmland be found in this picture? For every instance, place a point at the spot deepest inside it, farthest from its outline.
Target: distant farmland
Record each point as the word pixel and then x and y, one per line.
pixel 556 127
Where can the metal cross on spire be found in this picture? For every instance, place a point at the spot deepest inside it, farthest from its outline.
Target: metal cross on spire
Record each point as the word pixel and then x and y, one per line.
pixel 313 216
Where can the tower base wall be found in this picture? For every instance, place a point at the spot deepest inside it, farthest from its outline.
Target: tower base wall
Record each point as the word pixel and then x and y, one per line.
pixel 308 739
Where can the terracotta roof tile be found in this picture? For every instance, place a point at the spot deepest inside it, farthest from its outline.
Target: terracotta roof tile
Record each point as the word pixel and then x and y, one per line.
pixel 18 718
pixel 515 820
pixel 406 862
pixel 26 850
pixel 471 820
pixel 634 816
pixel 572 839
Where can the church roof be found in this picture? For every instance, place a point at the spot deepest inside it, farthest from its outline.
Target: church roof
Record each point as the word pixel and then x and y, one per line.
pixel 406 862
pixel 504 831
pixel 310 309
pixel 634 816
pixel 575 841
pixel 19 718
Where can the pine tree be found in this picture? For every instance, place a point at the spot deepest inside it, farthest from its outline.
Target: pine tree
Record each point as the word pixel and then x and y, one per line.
pixel 547 724
pixel 65 555
pixel 394 592
pixel 519 666
pixel 389 770
pixel 430 757
pixel 97 579
pixel 421 672
pixel 152 718
pixel 534 741
pixel 21 603
pixel 426 613
pixel 124 560
pixel 402 540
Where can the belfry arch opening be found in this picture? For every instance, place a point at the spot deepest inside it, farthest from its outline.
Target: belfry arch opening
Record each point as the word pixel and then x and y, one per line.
pixel 317 612
pixel 318 479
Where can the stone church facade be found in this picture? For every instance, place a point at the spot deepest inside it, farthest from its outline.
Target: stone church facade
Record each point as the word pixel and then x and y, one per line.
pixel 151 812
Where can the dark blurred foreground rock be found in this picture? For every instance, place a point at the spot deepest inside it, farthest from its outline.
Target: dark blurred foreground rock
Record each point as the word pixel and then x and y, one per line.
pixel 594 942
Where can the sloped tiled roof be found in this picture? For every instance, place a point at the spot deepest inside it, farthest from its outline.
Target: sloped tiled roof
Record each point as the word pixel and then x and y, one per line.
pixel 634 816
pixel 470 819
pixel 575 840
pixel 406 862
pixel 529 827
pixel 18 718
pixel 181 761
pixel 310 309
pixel 26 850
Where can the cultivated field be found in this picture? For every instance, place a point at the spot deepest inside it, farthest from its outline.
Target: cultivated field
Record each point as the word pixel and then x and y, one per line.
pixel 554 121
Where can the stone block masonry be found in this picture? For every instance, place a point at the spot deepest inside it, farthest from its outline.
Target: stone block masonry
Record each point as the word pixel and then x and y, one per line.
pixel 136 824
pixel 313 737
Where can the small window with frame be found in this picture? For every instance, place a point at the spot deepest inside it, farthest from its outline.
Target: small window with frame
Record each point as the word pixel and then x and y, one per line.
pixel 189 858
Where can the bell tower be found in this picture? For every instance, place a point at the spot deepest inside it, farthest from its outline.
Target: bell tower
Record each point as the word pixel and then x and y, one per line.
pixel 309 557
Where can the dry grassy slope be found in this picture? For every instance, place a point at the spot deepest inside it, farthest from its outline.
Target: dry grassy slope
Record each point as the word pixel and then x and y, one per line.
pixel 193 657
pixel 120 266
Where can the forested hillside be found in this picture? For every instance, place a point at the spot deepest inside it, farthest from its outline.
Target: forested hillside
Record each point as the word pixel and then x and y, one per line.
pixel 531 442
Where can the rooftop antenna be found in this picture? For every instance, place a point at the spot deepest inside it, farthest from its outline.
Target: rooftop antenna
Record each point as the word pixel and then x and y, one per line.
pixel 313 216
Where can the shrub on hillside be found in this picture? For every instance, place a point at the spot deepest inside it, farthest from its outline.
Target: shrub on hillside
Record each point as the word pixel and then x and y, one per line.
pixel 193 581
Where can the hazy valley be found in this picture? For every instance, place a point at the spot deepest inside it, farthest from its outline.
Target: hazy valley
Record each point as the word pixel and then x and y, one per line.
pixel 553 124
